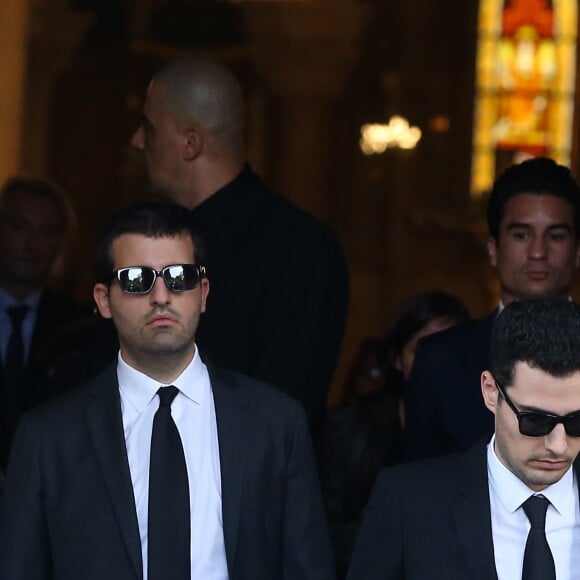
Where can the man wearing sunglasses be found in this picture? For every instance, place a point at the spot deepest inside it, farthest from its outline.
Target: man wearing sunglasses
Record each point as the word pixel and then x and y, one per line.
pixel 504 510
pixel 162 468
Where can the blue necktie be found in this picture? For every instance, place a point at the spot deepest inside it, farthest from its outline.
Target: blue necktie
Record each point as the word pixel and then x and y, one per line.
pixel 13 367
pixel 15 348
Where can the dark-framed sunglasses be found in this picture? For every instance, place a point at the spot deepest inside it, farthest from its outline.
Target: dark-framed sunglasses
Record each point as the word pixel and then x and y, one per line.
pixel 141 279
pixel 538 423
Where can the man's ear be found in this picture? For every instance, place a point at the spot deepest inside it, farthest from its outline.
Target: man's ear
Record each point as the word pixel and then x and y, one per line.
pixel 204 285
pixel 194 140
pixel 489 391
pixel 492 250
pixel 101 298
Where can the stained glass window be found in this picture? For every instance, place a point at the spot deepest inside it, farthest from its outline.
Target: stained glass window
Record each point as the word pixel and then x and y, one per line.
pixel 526 68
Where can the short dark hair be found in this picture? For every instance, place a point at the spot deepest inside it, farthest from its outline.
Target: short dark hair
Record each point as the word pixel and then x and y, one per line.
pixel 543 333
pixel 44 189
pixel 415 314
pixel 539 175
pixel 154 220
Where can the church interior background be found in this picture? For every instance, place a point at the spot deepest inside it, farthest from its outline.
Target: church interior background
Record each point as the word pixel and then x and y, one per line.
pixel 388 119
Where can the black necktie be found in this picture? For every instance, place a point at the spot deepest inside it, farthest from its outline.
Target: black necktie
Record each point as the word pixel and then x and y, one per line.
pixel 168 537
pixel 538 559
pixel 14 365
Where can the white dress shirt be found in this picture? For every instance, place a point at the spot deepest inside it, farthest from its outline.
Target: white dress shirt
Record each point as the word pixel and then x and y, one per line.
pixel 510 525
pixel 193 412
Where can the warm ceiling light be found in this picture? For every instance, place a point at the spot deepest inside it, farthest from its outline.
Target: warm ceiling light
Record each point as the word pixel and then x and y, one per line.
pixel 397 134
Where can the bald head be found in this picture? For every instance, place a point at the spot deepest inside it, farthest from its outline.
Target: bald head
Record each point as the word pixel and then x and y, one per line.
pixel 191 132
pixel 206 94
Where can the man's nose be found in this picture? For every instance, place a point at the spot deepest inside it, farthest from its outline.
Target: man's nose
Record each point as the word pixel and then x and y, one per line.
pixel 557 441
pixel 537 247
pixel 160 293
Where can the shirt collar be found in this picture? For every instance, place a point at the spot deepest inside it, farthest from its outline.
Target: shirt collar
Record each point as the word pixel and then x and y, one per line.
pixel 512 492
pixel 229 204
pixel 140 389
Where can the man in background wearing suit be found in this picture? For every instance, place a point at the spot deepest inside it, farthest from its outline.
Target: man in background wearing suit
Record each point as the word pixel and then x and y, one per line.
pixel 506 510
pixel 161 467
pixel 285 324
pixel 533 218
pixel 35 220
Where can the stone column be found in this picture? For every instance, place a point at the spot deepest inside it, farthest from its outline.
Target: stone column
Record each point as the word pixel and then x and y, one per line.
pixel 55 30
pixel 13 29
pixel 303 53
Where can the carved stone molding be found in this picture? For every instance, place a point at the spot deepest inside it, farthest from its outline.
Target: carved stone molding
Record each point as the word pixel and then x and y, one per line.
pixel 306 48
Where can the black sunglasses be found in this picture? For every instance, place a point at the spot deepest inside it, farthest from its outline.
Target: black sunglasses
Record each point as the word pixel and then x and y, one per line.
pixel 141 279
pixel 537 423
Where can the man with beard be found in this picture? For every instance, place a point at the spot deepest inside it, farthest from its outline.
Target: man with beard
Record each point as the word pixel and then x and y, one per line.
pixel 161 467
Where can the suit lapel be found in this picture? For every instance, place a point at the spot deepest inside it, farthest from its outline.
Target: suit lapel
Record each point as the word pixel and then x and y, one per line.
pixel 472 516
pixel 232 420
pixel 105 425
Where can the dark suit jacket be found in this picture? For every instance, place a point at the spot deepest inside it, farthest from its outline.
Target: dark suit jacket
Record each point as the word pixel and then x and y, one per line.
pixel 69 513
pixel 444 409
pixel 429 520
pixel 54 312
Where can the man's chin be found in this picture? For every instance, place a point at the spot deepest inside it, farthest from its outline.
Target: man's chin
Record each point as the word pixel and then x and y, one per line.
pixel 161 191
pixel 541 291
pixel 165 344
pixel 538 478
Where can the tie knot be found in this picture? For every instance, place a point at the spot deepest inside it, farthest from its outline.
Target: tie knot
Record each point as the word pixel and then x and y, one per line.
pixel 17 314
pixel 166 395
pixel 535 507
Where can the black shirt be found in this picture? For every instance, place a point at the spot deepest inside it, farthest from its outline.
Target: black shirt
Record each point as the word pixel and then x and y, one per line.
pixel 278 290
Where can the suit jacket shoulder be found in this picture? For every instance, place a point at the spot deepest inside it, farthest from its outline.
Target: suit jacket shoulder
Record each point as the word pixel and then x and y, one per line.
pixel 263 399
pixel 446 348
pixel 51 423
pixel 429 519
pixel 68 510
pixel 443 403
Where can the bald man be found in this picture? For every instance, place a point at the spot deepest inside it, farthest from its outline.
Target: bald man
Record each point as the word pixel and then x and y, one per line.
pixel 279 279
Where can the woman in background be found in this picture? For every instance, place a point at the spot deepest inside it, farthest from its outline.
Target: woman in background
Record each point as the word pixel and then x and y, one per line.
pixel 420 316
pixel 364 435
